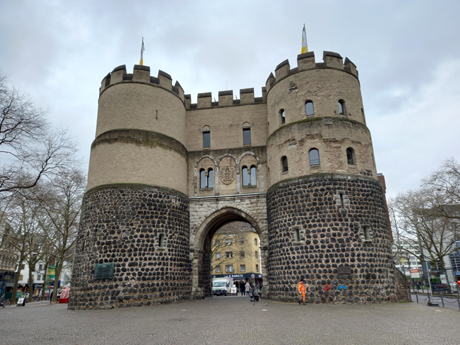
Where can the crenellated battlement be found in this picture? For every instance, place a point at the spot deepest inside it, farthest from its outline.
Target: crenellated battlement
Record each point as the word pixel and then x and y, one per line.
pixel 141 74
pixel 307 62
pixel 226 98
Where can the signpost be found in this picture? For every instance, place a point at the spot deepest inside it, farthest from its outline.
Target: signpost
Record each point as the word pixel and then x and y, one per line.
pixel 414 273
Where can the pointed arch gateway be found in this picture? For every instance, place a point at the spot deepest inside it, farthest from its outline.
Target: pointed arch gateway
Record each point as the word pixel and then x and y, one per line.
pixel 201 247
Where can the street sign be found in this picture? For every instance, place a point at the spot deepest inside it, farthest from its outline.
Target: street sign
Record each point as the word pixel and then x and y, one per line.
pixel 414 273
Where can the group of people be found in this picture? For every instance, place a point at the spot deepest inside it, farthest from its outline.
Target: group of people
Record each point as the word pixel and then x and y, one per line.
pixel 244 287
pixel 301 289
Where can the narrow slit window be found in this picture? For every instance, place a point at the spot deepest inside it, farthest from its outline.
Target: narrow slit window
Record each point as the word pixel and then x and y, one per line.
pixel 341 107
pixel 283 116
pixel 309 108
pixel 210 178
pixel 245 176
pixel 284 164
pixel 314 157
pixel 246 136
pixel 253 176
pixel 297 234
pixel 203 179
pixel 350 156
pixel 206 139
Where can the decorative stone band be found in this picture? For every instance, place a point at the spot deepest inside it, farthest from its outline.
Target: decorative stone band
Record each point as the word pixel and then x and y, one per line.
pixel 142 138
pixel 321 121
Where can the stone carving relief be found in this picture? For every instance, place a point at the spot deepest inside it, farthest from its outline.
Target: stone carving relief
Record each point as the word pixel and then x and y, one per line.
pixel 227 170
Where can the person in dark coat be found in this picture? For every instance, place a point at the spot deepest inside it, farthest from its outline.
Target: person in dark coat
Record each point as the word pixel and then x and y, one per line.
pixel 242 288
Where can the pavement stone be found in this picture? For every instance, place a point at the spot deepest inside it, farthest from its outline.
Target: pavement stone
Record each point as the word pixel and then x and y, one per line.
pixel 231 320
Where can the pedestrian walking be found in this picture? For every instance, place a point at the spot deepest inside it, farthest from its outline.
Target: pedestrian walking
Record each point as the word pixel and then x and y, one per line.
pixel 248 288
pixel 242 288
pixel 301 289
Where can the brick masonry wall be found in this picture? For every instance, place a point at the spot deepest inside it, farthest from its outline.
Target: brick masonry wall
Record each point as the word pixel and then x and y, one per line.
pixel 331 237
pixel 121 225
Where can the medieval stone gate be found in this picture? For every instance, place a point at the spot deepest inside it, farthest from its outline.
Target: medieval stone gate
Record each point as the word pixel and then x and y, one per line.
pixel 296 163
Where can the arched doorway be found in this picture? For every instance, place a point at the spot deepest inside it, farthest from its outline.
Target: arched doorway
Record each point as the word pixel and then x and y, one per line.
pixel 201 247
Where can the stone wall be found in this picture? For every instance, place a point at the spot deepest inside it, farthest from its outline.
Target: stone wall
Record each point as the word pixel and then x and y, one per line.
pixel 331 214
pixel 125 225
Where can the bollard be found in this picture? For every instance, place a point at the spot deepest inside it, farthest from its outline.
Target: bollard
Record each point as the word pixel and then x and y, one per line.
pixel 416 295
pixel 458 299
pixel 442 300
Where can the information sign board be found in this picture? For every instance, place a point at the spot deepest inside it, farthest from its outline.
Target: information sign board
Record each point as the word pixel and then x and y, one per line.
pixel 414 273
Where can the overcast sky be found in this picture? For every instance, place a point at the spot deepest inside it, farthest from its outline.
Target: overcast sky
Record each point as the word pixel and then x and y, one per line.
pixel 407 53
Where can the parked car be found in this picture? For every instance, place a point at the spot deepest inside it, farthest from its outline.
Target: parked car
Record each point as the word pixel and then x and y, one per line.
pixel 439 287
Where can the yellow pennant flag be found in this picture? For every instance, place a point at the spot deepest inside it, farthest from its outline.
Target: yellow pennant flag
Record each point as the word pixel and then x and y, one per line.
pixel 304 41
pixel 142 53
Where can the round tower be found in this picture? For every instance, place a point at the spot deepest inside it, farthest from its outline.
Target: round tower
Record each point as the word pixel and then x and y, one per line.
pixel 133 241
pixel 326 214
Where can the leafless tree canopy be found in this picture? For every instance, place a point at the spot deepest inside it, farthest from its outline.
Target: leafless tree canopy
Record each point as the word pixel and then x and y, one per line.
pixel 430 215
pixel 29 149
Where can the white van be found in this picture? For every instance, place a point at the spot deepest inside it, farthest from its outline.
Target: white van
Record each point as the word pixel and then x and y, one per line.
pixel 222 286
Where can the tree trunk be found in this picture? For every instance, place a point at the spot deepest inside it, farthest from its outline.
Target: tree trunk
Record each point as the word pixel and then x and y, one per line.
pixel 31 283
pixel 44 279
pixel 16 280
pixel 56 278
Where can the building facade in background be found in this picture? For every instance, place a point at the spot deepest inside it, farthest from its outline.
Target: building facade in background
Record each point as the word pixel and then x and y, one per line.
pixel 236 254
pixel 296 163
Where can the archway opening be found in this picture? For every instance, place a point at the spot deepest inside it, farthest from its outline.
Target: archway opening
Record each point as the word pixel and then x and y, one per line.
pixel 229 239
pixel 235 260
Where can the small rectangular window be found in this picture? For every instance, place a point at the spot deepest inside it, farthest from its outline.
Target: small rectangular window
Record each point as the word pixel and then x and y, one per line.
pixel 228 241
pixel 242 255
pixel 255 241
pixel 256 253
pixel 23 266
pixel 241 240
pixel 246 136
pixel 207 139
pixel 229 268
pixel 229 255
pixel 243 268
pixel 217 255
pixel 257 268
pixel 217 269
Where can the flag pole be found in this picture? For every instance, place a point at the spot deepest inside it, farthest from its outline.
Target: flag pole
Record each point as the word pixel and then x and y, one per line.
pixel 142 53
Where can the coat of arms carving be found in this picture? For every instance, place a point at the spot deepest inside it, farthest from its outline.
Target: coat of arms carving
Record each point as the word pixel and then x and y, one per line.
pixel 227 174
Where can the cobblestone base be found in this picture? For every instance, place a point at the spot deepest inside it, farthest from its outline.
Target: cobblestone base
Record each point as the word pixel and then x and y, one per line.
pixel 145 232
pixel 319 224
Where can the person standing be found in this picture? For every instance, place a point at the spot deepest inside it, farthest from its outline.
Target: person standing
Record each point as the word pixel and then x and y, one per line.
pixel 242 288
pixel 326 289
pixel 301 289
pixel 248 288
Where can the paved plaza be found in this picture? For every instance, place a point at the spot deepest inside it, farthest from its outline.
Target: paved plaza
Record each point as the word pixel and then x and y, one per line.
pixel 231 320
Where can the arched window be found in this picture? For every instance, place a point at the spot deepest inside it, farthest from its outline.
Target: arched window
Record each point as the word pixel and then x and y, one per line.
pixel 203 182
pixel 350 156
pixel 284 164
pixel 341 107
pixel 210 178
pixel 309 108
pixel 253 176
pixel 283 116
pixel 245 176
pixel 314 157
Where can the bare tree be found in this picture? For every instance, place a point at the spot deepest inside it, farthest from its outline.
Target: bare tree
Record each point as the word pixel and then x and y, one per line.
pixel 23 235
pixel 61 200
pixel 29 150
pixel 446 182
pixel 417 217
